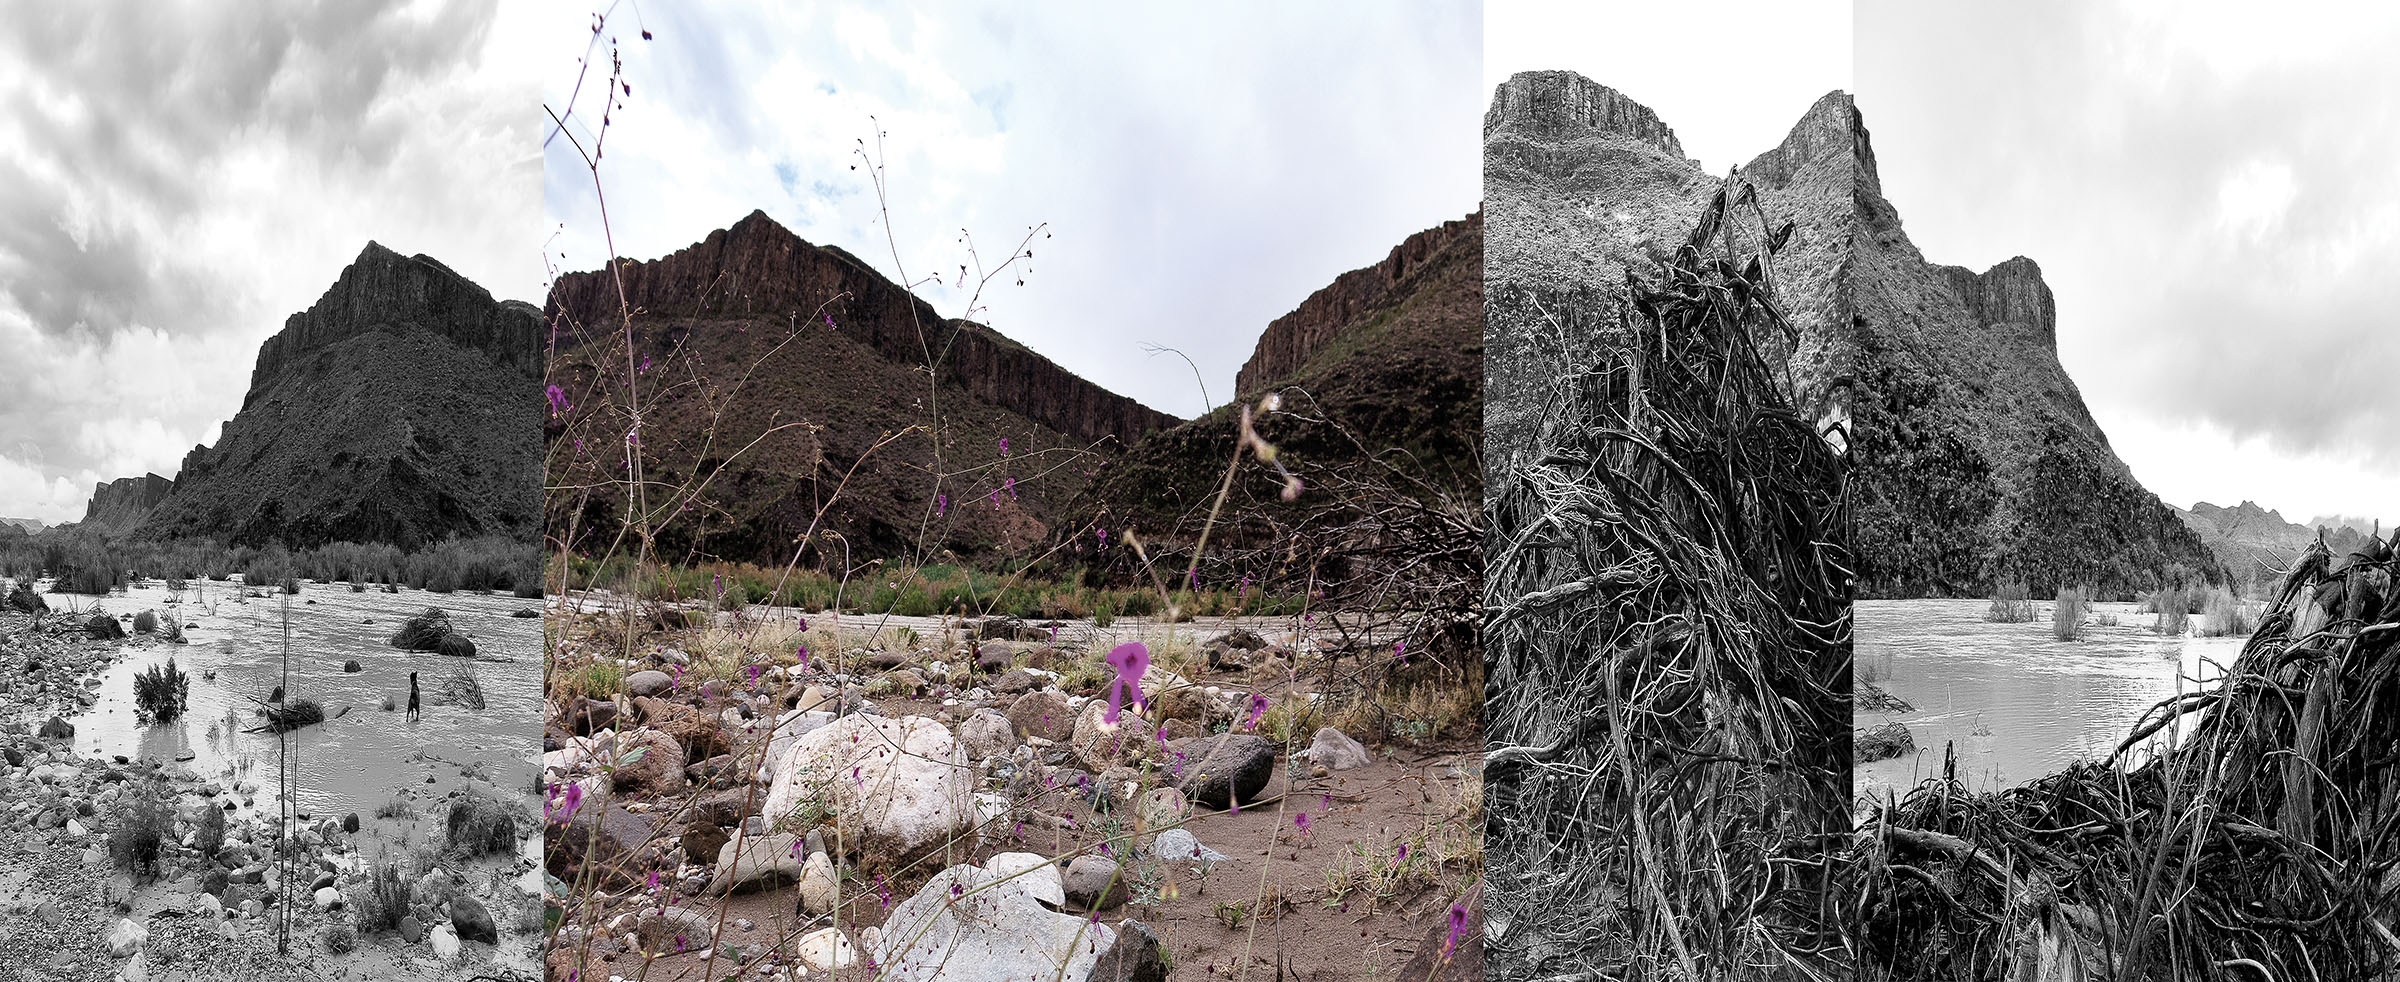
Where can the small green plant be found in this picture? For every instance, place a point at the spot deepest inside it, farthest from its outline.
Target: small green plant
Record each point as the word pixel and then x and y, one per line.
pixel 339 938
pixel 145 622
pixel 210 835
pixel 386 899
pixel 135 843
pixel 160 693
pixel 1104 612
pixel 2066 614
pixel 2227 616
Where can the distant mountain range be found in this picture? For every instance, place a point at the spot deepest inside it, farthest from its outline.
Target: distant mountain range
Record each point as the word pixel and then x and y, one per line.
pixel 2258 544
pixel 27 524
pixel 402 407
pixel 1975 457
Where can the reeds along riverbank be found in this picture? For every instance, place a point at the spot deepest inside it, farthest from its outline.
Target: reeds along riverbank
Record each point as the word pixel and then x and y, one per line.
pixel 2252 827
pixel 1669 649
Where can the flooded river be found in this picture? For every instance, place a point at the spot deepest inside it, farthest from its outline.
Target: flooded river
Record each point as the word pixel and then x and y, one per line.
pixel 2016 702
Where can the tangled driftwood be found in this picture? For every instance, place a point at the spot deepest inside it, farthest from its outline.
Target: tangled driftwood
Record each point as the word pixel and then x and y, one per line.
pixel 2250 830
pixel 1669 598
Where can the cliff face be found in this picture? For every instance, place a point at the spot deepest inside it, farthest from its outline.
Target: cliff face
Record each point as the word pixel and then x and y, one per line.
pixel 1292 340
pixel 1389 354
pixel 2259 544
pixel 122 504
pixel 402 407
pixel 785 380
pixel 759 270
pixel 1975 457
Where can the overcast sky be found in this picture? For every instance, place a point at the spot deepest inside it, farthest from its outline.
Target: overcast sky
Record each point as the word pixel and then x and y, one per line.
pixel 2209 191
pixel 1728 98
pixel 1202 169
pixel 176 179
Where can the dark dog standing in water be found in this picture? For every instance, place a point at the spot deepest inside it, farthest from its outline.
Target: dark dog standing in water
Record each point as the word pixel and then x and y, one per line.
pixel 412 695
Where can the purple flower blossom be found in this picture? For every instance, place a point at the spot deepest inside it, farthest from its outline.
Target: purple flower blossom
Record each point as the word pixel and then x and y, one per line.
pixel 1300 821
pixel 645 365
pixel 564 801
pixel 804 625
pixel 1258 708
pixel 633 437
pixel 1130 660
pixel 1245 588
pixel 1010 485
pixel 1103 536
pixel 801 653
pixel 1400 651
pixel 941 504
pixel 558 401
pixel 1458 928
pixel 1004 446
pixel 1401 856
pixel 828 320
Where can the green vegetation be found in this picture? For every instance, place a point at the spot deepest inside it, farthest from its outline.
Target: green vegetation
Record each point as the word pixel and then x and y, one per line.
pixel 2066 615
pixel 161 692
pixel 928 591
pixel 90 563
pixel 2011 604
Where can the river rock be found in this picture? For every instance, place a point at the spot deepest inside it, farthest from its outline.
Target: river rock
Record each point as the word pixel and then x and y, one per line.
pixel 987 734
pixel 1137 956
pixel 1334 750
pixel 1092 883
pixel 896 786
pixel 820 885
pixel 1042 714
pixel 1180 845
pixel 1099 746
pixel 102 627
pixel 1221 769
pixel 56 728
pixel 674 929
pixel 126 937
pixel 701 735
pixel 648 682
pixel 1031 872
pixel 746 859
pixel 993 657
pixel 473 921
pixel 445 942
pixel 658 772
pixel 592 716
pixel 609 841
pixel 965 925
pixel 827 949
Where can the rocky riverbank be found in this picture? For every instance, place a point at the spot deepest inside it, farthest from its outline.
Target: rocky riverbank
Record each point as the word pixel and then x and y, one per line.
pixel 767 796
pixel 118 867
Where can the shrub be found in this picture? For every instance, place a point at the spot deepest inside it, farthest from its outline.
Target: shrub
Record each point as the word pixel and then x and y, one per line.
pixel 479 825
pixel 423 632
pixel 2226 616
pixel 2066 615
pixel 210 836
pixel 1104 612
pixel 2011 604
pixel 290 585
pixel 339 938
pixel 96 580
pixel 2174 611
pixel 134 843
pixel 161 692
pixel 386 900
pixel 145 622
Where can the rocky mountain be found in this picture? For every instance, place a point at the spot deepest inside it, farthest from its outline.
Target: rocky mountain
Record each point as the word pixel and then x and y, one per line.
pixel 2259 544
pixel 1975 457
pixel 27 524
pixel 1380 377
pixel 122 504
pixel 402 407
pixel 784 380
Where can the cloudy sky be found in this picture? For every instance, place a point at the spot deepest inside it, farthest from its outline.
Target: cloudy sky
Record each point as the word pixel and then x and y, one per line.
pixel 1766 62
pixel 176 179
pixel 1202 170
pixel 2208 189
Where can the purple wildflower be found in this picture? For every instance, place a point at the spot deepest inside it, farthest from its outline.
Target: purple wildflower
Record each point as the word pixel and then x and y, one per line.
pixel 633 437
pixel 941 503
pixel 804 625
pixel 1300 821
pixel 1130 660
pixel 1103 536
pixel 1004 446
pixel 1458 928
pixel 558 400
pixel 1258 708
pixel 564 801
pixel 1009 484
pixel 1401 856
pixel 1245 588
pixel 1400 651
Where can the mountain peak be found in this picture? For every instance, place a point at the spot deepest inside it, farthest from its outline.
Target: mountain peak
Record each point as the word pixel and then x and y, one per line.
pixel 1556 104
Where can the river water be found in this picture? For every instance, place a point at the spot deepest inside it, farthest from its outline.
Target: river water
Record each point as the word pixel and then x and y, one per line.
pixel 352 763
pixel 2015 702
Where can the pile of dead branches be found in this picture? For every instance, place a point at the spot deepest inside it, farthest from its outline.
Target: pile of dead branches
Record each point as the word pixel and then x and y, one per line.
pixel 1668 633
pixel 2247 830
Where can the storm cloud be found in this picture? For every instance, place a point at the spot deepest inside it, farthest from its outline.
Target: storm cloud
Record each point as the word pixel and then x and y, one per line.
pixel 176 179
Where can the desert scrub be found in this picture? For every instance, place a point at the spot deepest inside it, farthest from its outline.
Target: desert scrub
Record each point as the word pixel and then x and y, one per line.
pixel 478 825
pixel 160 693
pixel 209 836
pixel 2012 603
pixel 145 622
pixel 2227 616
pixel 2066 614
pixel 339 938
pixel 135 842
pixel 385 900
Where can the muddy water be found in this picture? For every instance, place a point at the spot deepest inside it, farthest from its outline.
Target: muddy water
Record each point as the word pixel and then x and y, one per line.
pixel 2014 701
pixel 353 763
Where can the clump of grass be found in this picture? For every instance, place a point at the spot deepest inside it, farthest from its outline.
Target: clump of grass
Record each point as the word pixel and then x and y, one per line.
pixel 2174 611
pixel 2227 616
pixel 386 899
pixel 210 835
pixel 135 843
pixel 339 938
pixel 2012 603
pixel 145 622
pixel 478 826
pixel 93 580
pixel 161 692
pixel 2066 614
pixel 394 808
